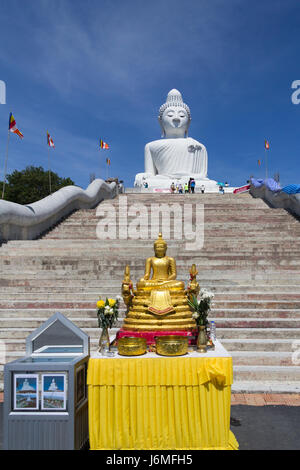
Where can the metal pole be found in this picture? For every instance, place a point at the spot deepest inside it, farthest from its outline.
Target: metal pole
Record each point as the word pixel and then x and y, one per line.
pixel 49 171
pixel 266 155
pixel 5 165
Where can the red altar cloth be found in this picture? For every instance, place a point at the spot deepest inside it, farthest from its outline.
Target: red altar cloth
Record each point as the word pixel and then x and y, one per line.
pixel 150 336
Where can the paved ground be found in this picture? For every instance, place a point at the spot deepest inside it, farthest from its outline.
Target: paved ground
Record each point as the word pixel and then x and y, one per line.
pixel 266 427
pixel 261 399
pixel 255 427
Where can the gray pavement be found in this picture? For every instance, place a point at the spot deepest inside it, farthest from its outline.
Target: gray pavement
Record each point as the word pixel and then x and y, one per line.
pixel 255 427
pixel 266 427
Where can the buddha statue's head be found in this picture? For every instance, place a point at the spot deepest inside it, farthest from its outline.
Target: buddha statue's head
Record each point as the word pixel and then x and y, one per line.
pixel 160 247
pixel 174 116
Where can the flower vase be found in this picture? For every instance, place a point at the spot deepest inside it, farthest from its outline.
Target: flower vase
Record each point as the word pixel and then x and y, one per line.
pixel 201 339
pixel 104 343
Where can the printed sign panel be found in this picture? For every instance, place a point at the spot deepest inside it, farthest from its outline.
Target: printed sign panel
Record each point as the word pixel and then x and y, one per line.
pixel 26 393
pixel 54 395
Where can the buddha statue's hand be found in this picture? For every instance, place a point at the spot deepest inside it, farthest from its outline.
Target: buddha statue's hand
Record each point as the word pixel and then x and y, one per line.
pixel 194 148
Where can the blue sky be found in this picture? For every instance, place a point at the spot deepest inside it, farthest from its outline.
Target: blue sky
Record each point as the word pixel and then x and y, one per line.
pixel 97 68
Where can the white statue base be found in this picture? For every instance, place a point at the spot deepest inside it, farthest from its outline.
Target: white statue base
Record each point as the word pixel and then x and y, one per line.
pixel 163 183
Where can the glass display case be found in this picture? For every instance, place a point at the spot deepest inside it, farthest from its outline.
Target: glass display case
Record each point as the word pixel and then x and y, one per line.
pixel 45 392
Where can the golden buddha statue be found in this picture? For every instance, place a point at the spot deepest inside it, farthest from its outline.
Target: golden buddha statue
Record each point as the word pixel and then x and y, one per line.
pixel 163 268
pixel 160 302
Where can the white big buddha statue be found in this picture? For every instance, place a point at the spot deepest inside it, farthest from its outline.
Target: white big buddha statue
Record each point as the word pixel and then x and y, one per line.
pixel 174 158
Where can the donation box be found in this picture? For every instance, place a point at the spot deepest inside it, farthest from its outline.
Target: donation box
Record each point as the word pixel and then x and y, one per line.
pixel 45 392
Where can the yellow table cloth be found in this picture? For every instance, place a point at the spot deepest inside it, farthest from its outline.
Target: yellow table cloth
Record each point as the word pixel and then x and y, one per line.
pixel 151 402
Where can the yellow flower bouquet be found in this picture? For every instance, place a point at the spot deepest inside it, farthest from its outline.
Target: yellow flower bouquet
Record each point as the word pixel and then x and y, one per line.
pixel 107 313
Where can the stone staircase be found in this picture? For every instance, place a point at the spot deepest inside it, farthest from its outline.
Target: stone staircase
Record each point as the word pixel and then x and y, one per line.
pixel 250 259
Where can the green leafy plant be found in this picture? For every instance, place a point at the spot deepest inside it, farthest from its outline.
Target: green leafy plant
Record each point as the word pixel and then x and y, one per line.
pixel 201 307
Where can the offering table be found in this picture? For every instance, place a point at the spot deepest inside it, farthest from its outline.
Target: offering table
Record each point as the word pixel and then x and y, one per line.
pixel 156 402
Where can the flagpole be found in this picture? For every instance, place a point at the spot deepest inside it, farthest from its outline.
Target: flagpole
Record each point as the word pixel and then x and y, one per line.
pixel 266 158
pixel 49 170
pixel 5 165
pixel 100 164
pixel 49 177
pixel 100 161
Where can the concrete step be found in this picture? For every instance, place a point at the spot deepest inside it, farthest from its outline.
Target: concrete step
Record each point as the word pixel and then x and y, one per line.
pixel 265 386
pixel 257 300
pixel 209 227
pixel 79 303
pixel 255 314
pixel 35 322
pixel 209 243
pixel 181 254
pixel 257 333
pixel 9 329
pixel 92 286
pixel 265 372
pixel 12 333
pixel 261 345
pixel 217 232
pixel 254 248
pixel 257 322
pixel 63 248
pixel 91 293
pixel 216 284
pixel 258 316
pixel 262 358
pixel 235 347
pixel 230 276
pixel 230 272
pixel 211 209
pixel 35 314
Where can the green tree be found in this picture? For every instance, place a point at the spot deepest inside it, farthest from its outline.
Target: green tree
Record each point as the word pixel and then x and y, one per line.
pixel 31 185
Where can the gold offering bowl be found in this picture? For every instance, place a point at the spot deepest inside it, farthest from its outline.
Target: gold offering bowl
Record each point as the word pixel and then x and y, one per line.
pixel 173 345
pixel 132 346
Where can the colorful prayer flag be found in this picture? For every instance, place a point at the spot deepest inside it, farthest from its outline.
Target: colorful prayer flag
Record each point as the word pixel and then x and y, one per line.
pixel 259 162
pixel 267 145
pixel 50 140
pixel 108 161
pixel 103 145
pixel 12 126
